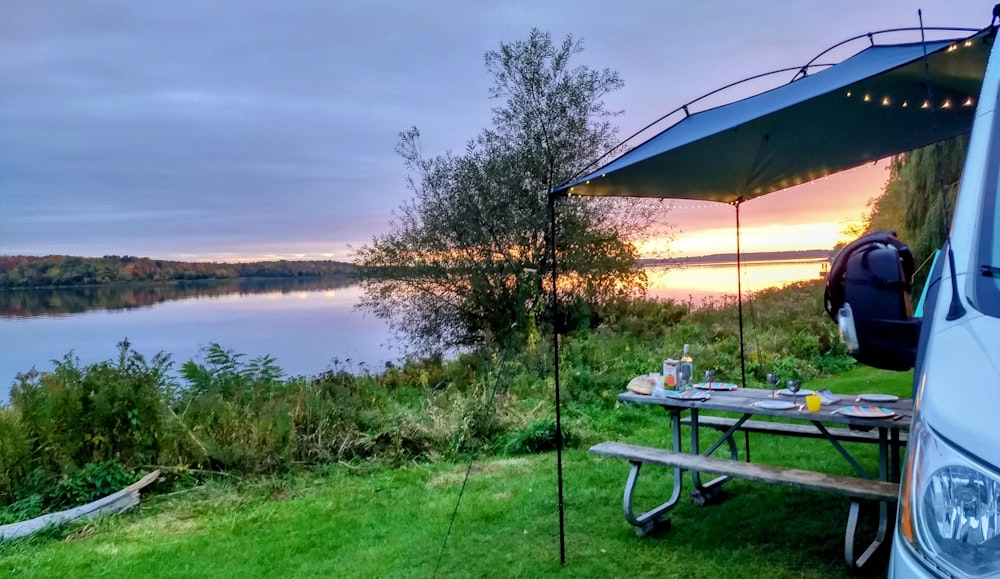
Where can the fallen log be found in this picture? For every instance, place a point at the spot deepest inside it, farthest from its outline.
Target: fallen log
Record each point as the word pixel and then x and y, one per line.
pixel 117 502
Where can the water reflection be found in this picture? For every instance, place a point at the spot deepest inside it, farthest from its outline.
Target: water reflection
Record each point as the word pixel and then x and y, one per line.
pixel 127 296
pixel 713 281
pixel 308 325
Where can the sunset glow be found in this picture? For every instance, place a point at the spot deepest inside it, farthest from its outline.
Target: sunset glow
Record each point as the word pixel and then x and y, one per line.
pixel 810 216
pixel 716 280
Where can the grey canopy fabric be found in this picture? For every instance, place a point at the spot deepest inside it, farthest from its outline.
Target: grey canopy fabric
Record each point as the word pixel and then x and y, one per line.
pixel 870 106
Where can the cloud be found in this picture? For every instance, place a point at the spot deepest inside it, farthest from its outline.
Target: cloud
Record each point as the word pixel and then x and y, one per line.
pixel 214 128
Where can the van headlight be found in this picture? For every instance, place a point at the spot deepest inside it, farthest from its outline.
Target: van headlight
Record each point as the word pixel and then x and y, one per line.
pixel 950 508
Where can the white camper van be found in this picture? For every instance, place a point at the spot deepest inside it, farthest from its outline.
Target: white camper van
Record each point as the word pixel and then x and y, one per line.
pixel 948 522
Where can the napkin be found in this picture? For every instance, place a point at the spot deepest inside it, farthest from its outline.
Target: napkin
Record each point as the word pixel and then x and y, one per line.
pixel 828 397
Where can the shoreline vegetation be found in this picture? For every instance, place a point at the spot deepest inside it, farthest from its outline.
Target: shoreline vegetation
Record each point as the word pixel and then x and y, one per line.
pixel 71 433
pixel 67 271
pixel 34 272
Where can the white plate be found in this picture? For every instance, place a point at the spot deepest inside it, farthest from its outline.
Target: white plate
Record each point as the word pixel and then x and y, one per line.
pixel 878 397
pixel 774 404
pixel 802 392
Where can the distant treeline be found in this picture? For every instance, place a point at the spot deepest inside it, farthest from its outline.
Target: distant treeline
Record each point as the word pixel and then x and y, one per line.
pixel 20 271
pixel 746 256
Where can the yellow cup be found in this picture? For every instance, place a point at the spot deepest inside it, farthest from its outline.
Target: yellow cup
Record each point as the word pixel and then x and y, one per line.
pixel 813 402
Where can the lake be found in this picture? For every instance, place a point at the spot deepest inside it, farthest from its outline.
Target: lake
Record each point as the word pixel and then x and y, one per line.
pixel 307 325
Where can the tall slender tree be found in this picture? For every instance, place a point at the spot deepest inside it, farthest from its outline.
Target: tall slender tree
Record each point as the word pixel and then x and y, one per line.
pixel 465 259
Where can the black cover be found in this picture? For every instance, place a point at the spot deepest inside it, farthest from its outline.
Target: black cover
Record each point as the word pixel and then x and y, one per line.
pixel 873 274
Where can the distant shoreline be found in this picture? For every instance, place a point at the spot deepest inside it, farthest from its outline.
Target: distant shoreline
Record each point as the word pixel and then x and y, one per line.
pixel 757 256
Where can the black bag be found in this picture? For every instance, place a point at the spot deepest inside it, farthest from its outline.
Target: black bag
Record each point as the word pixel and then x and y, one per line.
pixel 874 274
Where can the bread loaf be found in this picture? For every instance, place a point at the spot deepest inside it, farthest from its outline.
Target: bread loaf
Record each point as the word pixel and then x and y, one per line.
pixel 641 384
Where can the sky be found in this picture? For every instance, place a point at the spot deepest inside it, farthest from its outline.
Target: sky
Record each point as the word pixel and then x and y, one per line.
pixel 230 130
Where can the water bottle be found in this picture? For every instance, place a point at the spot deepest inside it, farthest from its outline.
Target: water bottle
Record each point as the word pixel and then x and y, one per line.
pixel 685 370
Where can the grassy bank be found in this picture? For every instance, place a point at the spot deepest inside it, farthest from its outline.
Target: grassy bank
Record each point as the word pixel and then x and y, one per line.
pixel 368 520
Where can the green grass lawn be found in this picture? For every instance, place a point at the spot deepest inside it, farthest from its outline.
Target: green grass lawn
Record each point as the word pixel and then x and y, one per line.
pixel 374 522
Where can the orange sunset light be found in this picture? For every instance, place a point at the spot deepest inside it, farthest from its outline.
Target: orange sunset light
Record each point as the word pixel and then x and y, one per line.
pixel 810 216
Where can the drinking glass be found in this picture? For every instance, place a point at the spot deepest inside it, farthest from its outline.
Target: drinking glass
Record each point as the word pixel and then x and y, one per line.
pixel 772 381
pixel 794 386
pixel 710 377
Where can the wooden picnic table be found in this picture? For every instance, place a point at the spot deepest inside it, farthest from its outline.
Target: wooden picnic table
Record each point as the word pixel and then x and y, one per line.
pixel 742 404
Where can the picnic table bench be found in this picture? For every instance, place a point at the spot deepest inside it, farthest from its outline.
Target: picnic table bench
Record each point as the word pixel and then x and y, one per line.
pixel 886 433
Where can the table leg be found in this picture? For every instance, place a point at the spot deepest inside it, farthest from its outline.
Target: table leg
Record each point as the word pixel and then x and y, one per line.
pixel 884 473
pixel 658 517
pixel 705 493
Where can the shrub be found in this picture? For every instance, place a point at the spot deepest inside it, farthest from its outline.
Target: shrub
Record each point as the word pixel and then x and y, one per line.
pixel 15 455
pixel 102 412
pixel 91 482
pixel 539 436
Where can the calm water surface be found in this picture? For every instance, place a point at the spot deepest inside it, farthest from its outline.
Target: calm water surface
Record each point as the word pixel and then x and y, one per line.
pixel 308 326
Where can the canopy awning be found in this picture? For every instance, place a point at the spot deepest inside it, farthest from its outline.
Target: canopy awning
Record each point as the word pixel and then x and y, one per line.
pixel 870 106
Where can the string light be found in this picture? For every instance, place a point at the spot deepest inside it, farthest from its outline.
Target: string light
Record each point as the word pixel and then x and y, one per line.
pixel 968 102
pixel 905 104
pixel 968 43
pixel 848 94
pixel 953 47
pixel 946 104
pixel 926 105
pixel 885 101
pixel 868 97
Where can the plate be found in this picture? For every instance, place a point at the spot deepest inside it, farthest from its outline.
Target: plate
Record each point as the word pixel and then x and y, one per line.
pixel 688 394
pixel 878 397
pixel 867 411
pixel 715 386
pixel 802 392
pixel 774 404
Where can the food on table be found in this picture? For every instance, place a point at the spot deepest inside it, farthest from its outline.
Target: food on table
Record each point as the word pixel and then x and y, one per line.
pixel 641 384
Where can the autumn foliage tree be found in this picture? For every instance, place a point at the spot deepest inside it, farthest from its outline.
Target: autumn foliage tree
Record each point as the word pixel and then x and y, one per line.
pixel 465 260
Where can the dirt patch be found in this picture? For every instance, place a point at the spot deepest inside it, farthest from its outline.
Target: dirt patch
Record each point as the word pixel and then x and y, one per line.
pixel 169 523
pixel 504 466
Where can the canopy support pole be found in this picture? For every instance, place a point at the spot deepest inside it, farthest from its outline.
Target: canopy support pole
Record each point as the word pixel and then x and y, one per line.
pixel 739 295
pixel 555 366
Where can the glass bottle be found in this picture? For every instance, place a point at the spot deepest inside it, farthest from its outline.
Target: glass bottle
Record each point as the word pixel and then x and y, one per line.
pixel 685 370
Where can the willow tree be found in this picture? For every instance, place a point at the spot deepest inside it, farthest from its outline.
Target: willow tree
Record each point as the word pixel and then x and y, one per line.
pixel 465 260
pixel 919 198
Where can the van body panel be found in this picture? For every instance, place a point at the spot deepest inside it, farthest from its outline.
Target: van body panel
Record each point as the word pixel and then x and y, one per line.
pixel 957 377
pixel 959 395
pixel 958 385
pixel 902 563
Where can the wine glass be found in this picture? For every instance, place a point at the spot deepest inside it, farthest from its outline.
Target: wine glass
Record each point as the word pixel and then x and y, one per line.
pixel 794 386
pixel 773 380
